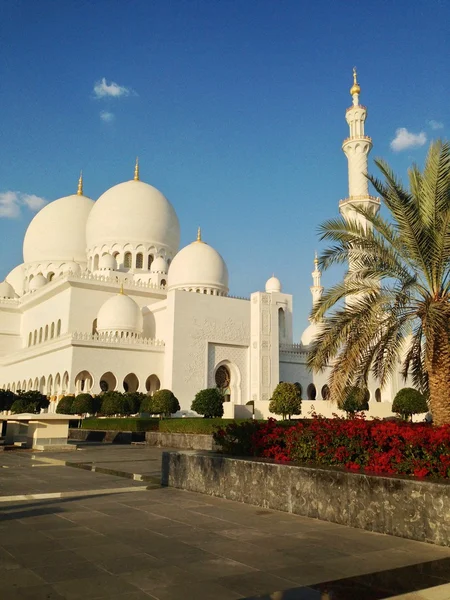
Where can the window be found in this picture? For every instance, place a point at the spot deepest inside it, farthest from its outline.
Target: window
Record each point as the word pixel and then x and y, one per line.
pixel 378 395
pixel 311 392
pixel 127 260
pixel 139 260
pixel 30 338
pixel 149 261
pixel 94 327
pixel 281 323
pixel 96 259
pixel 163 282
pixel 223 380
pixel 50 276
pixel 325 392
pixel 46 333
pixel 40 335
pixel 52 331
pixel 58 328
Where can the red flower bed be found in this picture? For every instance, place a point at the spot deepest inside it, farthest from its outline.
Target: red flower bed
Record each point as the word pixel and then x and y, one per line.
pixel 381 447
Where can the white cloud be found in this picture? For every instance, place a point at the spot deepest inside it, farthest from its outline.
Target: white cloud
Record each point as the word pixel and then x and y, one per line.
pixel 11 203
pixel 102 89
pixel 106 116
pixel 435 124
pixel 404 139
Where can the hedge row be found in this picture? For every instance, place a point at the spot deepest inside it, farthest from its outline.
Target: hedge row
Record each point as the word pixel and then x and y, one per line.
pixel 189 425
pixel 138 424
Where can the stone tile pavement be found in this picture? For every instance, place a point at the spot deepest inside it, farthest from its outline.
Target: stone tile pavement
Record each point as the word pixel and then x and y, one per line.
pixel 102 536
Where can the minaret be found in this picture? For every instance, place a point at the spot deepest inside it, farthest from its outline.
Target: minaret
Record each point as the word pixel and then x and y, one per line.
pixel 316 288
pixel 357 148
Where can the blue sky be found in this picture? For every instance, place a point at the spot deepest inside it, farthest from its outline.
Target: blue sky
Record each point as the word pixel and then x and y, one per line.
pixel 236 109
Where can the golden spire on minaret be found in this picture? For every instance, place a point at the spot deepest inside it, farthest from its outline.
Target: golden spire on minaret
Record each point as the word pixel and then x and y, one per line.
pixel 136 169
pixel 80 185
pixel 316 259
pixel 355 89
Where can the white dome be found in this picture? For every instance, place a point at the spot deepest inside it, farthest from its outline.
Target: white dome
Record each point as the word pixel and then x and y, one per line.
pixel 107 262
pixel 134 213
pixel 159 265
pixel 198 266
pixel 310 333
pixel 37 282
pixel 57 232
pixel 6 290
pixel 120 314
pixel 273 285
pixel 16 279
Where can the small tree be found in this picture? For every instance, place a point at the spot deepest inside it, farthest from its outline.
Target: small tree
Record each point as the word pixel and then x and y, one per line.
pixel 113 403
pixel 355 400
pixel 132 402
pixel 286 400
pixel 208 403
pixel 84 403
pixel 7 399
pixel 409 402
pixel 164 403
pixel 32 402
pixel 65 405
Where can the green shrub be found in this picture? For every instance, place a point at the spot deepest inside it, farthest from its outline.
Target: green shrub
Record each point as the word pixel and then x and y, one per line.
pixel 286 400
pixel 208 403
pixel 409 402
pixel 236 438
pixel 195 425
pixel 7 399
pixel 146 404
pixel 132 402
pixel 65 405
pixel 113 403
pixel 126 424
pixel 31 402
pixel 164 403
pixel 84 403
pixel 355 401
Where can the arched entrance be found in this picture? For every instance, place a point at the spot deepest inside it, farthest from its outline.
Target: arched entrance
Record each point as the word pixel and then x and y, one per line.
pixel 222 378
pixel 108 382
pixel 83 382
pixel 131 383
pixel 325 392
pixel 311 392
pixel 152 384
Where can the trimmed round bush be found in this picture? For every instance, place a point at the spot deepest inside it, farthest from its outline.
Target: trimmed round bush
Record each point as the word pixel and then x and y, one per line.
pixel 65 405
pixel 164 403
pixel 133 401
pixel 208 403
pixel 355 401
pixel 146 404
pixel 409 402
pixel 286 400
pixel 84 403
pixel 7 399
pixel 113 403
pixel 31 402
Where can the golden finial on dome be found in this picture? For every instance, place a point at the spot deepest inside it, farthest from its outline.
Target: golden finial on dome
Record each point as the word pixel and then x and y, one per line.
pixel 355 89
pixel 199 234
pixel 136 169
pixel 121 289
pixel 80 185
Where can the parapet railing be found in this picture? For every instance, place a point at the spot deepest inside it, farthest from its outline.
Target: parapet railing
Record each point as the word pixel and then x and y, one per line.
pixel 116 339
pixel 293 348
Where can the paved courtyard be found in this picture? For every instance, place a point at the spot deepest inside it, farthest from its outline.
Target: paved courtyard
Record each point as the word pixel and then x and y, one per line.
pixel 75 533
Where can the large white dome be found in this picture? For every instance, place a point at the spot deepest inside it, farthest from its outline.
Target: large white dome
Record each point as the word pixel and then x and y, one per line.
pixel 198 267
pixel 57 232
pixel 133 213
pixel 120 315
pixel 310 334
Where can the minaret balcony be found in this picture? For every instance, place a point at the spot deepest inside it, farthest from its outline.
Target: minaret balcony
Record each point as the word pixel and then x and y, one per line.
pixel 356 106
pixel 355 138
pixel 360 199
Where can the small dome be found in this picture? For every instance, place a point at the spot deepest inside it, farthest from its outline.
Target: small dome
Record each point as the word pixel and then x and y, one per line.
pixel 37 282
pixel 107 262
pixel 134 213
pixel 273 285
pixel 6 290
pixel 58 231
pixel 159 265
pixel 198 266
pixel 310 333
pixel 120 314
pixel 16 279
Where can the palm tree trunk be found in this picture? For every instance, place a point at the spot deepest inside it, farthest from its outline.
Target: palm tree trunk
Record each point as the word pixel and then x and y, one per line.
pixel 439 383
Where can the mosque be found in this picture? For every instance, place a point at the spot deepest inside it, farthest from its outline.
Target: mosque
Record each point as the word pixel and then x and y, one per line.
pixel 109 302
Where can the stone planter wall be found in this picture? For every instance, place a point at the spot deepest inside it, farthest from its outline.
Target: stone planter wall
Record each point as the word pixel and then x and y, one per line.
pixel 413 509
pixel 111 437
pixel 184 441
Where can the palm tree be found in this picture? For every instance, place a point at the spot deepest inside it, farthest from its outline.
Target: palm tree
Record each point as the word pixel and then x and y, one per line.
pixel 397 290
